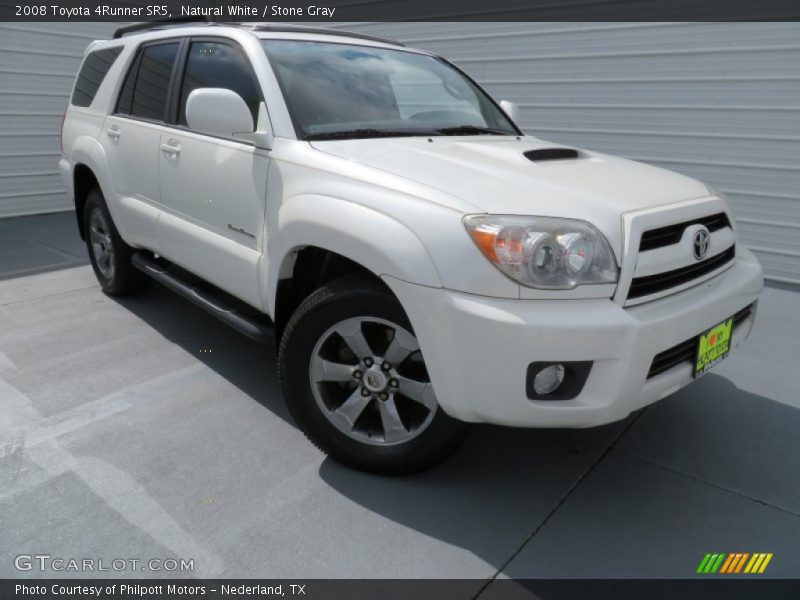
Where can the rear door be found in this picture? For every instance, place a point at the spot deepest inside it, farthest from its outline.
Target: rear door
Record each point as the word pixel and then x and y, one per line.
pixel 130 139
pixel 213 190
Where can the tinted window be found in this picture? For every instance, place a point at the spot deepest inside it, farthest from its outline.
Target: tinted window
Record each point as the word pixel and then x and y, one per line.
pixel 126 94
pixel 211 64
pixel 92 73
pixel 144 93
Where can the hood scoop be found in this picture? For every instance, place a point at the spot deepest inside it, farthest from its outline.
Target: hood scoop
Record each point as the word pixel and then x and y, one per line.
pixel 543 154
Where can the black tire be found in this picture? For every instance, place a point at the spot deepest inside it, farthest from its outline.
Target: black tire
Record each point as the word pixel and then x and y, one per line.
pixel 114 271
pixel 356 297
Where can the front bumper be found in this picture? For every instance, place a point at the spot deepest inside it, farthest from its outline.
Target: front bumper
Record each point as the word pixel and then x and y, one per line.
pixel 477 349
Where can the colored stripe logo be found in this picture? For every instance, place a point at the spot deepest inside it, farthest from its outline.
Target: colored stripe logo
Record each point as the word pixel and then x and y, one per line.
pixel 735 562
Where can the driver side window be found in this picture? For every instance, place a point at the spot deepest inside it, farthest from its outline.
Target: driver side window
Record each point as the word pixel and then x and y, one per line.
pixel 218 65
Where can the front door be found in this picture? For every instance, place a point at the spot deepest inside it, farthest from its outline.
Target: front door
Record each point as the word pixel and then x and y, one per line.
pixel 213 190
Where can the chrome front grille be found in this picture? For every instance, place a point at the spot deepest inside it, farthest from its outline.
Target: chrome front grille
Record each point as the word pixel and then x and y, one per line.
pixel 671 234
pixel 652 284
pixel 662 259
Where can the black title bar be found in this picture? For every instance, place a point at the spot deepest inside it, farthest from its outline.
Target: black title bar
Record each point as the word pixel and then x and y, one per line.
pixel 401 10
pixel 705 588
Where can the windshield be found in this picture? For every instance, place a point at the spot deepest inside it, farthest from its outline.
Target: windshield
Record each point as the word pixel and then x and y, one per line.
pixel 341 91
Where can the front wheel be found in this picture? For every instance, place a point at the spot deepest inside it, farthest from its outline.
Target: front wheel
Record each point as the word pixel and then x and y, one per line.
pixel 356 383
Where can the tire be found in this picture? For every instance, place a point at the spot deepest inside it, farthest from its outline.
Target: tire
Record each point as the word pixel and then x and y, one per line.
pixel 109 254
pixel 383 418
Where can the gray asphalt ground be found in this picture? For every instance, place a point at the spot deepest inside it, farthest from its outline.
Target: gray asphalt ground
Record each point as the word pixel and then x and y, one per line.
pixel 143 428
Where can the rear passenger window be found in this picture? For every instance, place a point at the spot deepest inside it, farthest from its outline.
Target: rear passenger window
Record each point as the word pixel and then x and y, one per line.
pixel 212 64
pixel 92 73
pixel 126 95
pixel 144 92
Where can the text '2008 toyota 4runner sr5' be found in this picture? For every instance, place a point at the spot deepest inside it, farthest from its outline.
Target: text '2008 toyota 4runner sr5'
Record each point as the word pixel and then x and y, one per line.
pixel 420 262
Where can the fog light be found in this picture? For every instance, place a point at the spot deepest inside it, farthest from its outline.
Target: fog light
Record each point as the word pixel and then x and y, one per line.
pixel 548 379
pixel 545 380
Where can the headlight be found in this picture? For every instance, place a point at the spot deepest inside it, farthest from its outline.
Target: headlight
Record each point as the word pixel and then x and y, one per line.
pixel 544 252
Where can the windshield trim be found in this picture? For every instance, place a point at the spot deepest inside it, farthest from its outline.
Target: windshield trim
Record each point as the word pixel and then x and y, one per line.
pixel 298 130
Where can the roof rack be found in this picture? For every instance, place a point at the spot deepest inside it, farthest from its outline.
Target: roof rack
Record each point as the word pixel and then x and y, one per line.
pixel 280 27
pixel 160 24
pixel 276 27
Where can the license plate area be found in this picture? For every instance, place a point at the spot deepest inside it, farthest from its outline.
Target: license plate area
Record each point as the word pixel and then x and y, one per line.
pixel 713 346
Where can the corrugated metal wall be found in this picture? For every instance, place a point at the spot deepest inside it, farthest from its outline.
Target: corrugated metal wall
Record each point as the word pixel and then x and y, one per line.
pixel 720 102
pixel 38 62
pixel 717 101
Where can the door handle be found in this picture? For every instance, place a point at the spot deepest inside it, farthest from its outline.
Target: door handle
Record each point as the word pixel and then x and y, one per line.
pixel 113 132
pixel 173 150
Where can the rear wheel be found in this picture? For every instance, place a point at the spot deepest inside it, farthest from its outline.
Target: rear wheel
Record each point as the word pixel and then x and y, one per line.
pixel 356 383
pixel 109 254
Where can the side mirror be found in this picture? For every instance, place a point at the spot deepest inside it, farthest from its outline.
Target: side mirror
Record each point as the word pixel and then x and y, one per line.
pixel 222 112
pixel 511 110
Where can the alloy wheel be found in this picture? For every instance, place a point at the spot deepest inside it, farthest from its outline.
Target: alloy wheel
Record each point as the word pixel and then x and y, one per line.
pixel 102 244
pixel 369 379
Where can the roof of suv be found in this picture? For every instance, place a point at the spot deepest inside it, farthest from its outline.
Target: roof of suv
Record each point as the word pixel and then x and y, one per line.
pixel 153 26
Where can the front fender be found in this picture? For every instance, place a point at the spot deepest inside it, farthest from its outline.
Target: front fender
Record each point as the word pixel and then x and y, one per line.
pixel 366 236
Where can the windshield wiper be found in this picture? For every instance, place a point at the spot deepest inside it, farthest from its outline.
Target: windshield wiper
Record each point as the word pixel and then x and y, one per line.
pixel 470 130
pixel 364 133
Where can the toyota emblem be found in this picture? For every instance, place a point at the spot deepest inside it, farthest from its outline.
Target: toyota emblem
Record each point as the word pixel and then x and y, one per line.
pixel 700 243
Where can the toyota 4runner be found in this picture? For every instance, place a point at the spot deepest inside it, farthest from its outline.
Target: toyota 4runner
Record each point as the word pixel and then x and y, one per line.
pixel 419 261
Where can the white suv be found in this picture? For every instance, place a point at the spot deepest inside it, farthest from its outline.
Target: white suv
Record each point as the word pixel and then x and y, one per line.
pixel 419 261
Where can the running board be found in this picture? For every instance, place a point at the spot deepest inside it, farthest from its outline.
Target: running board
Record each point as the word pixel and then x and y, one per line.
pixel 216 304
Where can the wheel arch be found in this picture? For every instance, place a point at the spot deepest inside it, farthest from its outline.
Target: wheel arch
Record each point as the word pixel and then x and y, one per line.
pixel 320 239
pixel 84 181
pixel 90 170
pixel 306 269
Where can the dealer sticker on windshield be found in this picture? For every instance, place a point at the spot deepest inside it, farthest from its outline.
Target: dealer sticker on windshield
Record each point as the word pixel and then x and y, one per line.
pixel 713 346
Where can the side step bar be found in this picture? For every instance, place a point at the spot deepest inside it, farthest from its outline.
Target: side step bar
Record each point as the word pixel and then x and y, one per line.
pixel 217 305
